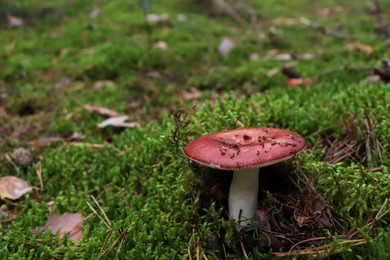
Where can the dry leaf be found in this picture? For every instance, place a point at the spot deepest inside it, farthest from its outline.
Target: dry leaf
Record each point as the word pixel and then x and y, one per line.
pixel 13 188
pixel 307 56
pixel 157 18
pixel 254 56
pixel 192 94
pixel 273 72
pixel 284 57
pixel 360 47
pixel 15 22
pixel 76 137
pixel 118 121
pixel 372 79
pixel 95 12
pixel 153 74
pixel 99 84
pixel 161 45
pixel 271 53
pixel 181 17
pixel 295 82
pixel 226 46
pixel 101 110
pixel 68 223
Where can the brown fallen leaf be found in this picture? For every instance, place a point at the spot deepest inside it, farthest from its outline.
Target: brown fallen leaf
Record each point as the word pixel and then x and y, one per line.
pixel 272 72
pixel 226 46
pixel 192 94
pixel 160 45
pixel 372 79
pixel 95 12
pixel 254 56
pixel 76 137
pixel 13 188
pixel 157 18
pixel 99 84
pixel 284 57
pixel 271 53
pixel 118 121
pixel 295 82
pixel 101 110
pixel 68 223
pixel 15 22
pixel 360 47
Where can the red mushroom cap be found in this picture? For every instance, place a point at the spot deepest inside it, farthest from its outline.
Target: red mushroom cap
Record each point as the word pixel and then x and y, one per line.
pixel 244 148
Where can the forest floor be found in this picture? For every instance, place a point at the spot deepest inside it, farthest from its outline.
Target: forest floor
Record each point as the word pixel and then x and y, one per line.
pixel 98 99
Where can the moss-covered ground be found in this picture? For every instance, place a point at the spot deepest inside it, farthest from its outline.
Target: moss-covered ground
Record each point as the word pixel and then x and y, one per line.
pixel 71 53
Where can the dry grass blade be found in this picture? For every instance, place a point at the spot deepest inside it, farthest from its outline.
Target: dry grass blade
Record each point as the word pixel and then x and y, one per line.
pixel 243 250
pixel 339 149
pixel 305 241
pixel 381 213
pixel 189 252
pixel 101 210
pixel 371 142
pixel 105 242
pixel 107 223
pixel 119 249
pixel 324 250
pixel 232 12
pixel 198 248
pixel 8 158
pixel 97 214
pixel 120 238
pixel 38 169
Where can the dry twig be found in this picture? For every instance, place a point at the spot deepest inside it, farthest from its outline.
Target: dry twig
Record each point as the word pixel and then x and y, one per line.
pixel 381 26
pixel 324 30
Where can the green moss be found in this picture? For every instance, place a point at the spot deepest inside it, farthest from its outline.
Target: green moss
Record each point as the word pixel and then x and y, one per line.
pixel 141 180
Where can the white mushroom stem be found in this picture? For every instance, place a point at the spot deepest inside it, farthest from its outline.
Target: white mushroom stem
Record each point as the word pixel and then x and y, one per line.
pixel 243 195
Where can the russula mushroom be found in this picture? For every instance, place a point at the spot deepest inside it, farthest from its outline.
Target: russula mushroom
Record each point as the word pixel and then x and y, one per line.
pixel 244 151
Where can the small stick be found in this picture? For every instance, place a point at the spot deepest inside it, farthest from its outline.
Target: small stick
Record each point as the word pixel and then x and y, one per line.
pixel 380 25
pixel 125 200
pixel 232 12
pixel 324 30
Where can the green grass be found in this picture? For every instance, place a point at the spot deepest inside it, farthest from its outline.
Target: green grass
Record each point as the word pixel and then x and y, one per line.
pixel 140 177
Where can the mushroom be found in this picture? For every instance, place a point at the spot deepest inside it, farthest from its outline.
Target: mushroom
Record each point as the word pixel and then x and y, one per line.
pixel 244 151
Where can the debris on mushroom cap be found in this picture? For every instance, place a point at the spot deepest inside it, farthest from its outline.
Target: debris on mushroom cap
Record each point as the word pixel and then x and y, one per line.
pixel 244 148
